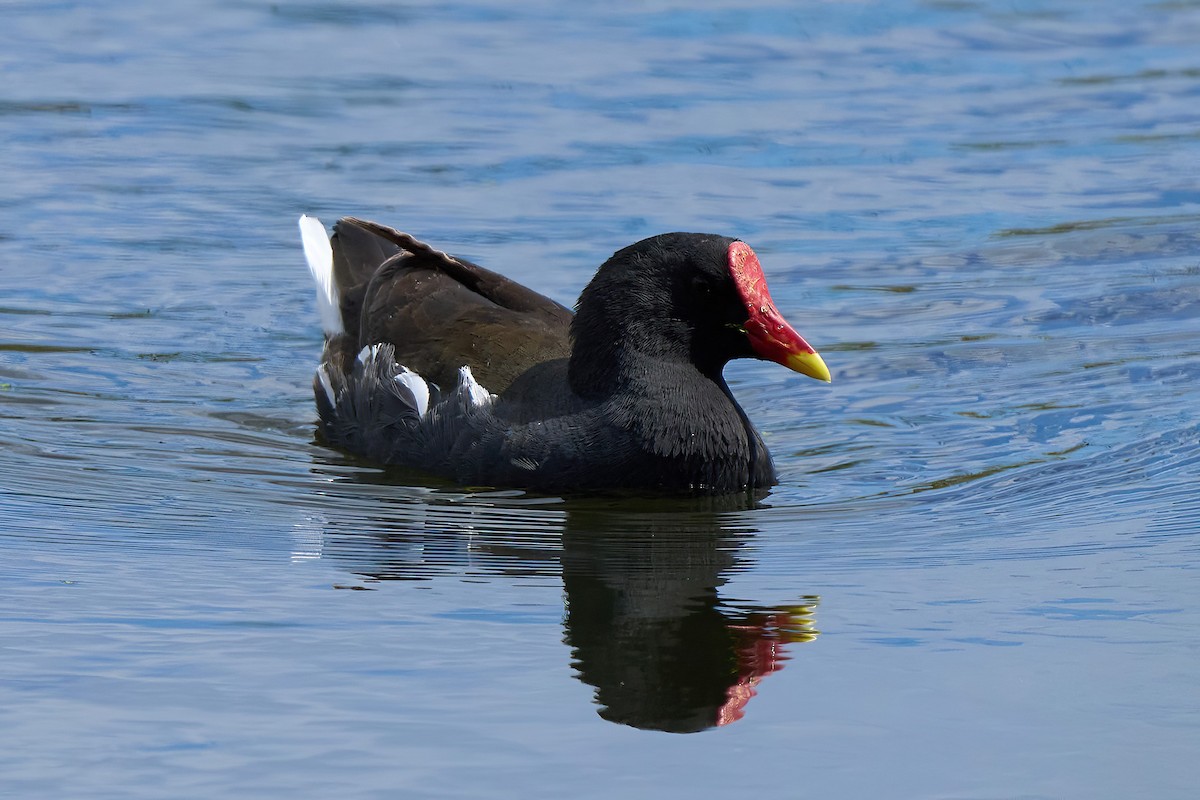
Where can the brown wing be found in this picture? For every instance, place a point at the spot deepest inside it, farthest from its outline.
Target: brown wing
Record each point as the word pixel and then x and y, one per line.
pixel 440 312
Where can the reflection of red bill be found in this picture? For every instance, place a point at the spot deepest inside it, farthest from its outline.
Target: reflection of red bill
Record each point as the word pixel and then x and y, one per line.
pixel 735 702
pixel 759 652
pixel 756 660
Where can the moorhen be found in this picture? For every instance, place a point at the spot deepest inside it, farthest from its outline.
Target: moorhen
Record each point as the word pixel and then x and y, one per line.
pixel 435 363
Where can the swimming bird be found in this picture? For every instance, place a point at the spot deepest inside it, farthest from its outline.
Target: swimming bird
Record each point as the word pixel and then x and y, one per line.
pixel 436 363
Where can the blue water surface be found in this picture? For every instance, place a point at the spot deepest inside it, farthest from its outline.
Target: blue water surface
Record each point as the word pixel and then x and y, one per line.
pixel 977 578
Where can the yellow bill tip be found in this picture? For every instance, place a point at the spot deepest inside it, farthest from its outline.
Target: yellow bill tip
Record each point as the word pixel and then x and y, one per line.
pixel 810 364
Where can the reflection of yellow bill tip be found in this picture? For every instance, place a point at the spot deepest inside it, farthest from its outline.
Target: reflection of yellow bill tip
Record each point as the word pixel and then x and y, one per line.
pixel 810 364
pixel 806 610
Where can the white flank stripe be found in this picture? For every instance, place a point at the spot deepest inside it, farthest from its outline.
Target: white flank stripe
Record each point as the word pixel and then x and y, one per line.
pixel 326 384
pixel 417 385
pixel 479 395
pixel 319 255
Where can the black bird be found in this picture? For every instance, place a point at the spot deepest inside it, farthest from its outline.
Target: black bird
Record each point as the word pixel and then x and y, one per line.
pixel 435 363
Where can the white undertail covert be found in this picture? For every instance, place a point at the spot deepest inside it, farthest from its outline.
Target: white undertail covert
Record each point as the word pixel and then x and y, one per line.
pixel 319 255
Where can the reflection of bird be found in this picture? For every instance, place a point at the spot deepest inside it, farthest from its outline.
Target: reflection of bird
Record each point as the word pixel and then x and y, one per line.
pixel 648 630
pixel 627 393
pixel 642 579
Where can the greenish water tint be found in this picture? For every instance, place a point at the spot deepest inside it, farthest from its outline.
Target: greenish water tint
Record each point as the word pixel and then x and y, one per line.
pixel 977 577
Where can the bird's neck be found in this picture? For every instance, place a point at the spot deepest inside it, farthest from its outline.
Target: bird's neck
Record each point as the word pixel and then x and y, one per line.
pixel 649 354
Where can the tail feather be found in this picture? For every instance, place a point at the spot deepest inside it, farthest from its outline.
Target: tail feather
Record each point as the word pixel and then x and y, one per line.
pixel 319 254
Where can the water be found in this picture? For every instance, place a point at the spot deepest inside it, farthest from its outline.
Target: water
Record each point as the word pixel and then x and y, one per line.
pixel 976 579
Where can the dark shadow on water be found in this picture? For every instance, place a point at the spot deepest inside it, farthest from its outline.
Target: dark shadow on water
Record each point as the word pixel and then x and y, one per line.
pixel 645 619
